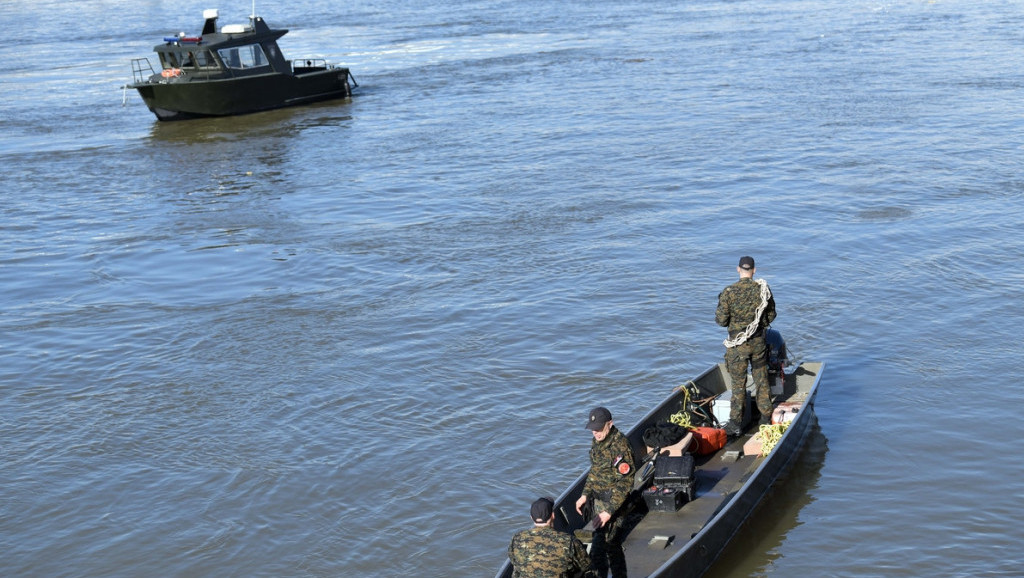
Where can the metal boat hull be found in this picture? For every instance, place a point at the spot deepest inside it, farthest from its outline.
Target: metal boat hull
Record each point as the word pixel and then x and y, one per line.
pixel 698 554
pixel 184 98
pixel 728 490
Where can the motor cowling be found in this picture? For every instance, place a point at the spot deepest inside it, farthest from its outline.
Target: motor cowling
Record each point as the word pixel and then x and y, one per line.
pixel 775 354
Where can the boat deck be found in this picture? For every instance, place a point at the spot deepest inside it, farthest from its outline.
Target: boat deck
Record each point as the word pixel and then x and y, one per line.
pixel 655 537
pixel 658 535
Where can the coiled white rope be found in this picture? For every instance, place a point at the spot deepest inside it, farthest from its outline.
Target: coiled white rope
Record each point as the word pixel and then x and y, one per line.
pixel 743 337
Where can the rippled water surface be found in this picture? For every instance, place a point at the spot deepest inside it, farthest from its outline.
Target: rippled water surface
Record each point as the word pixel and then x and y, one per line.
pixel 358 338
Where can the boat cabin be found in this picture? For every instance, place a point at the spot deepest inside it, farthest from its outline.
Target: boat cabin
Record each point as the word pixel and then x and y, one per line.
pixel 237 50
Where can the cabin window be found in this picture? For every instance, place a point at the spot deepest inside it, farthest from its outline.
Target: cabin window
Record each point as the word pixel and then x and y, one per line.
pixel 169 60
pixel 249 56
pixel 201 59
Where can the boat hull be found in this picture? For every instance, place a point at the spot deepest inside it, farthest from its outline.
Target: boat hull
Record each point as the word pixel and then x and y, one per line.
pixel 729 488
pixel 185 97
pixel 703 549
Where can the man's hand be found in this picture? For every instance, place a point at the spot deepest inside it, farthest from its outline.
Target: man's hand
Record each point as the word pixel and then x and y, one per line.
pixel 579 504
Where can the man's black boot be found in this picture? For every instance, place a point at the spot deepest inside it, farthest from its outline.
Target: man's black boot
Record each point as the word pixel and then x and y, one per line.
pixel 732 429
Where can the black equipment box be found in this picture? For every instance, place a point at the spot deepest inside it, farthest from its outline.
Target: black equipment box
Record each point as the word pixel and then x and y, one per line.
pixel 673 471
pixel 661 499
pixel 673 483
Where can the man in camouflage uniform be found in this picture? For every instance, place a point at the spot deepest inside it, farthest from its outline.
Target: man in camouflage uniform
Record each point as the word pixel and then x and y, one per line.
pixel 543 551
pixel 739 306
pixel 607 488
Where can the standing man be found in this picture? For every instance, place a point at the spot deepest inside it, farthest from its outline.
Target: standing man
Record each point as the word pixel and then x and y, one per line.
pixel 746 308
pixel 607 488
pixel 544 552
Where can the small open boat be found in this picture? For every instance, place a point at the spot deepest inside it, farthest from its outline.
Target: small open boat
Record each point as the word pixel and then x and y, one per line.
pixel 235 70
pixel 728 484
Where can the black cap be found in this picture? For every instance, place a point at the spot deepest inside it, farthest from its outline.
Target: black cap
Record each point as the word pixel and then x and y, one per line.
pixel 541 510
pixel 598 417
pixel 746 263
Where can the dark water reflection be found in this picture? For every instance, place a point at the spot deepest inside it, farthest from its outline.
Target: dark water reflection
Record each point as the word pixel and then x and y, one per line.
pixel 754 550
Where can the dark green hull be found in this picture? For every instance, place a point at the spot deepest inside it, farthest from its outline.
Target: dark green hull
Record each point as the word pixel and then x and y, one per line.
pixel 184 98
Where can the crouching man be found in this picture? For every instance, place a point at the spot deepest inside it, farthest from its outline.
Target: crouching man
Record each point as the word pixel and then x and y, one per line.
pixel 544 552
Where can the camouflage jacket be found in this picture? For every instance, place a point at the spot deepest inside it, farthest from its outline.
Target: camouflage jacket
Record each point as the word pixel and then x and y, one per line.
pixel 605 485
pixel 738 303
pixel 544 552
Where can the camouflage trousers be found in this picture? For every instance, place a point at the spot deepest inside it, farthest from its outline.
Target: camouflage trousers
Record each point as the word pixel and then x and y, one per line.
pixel 606 544
pixel 737 359
pixel 606 549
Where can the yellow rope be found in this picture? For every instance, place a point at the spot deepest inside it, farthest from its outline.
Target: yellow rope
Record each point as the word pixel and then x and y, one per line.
pixel 682 417
pixel 770 435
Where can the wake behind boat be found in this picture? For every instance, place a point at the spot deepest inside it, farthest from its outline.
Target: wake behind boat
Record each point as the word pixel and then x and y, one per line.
pixel 235 70
pixel 666 539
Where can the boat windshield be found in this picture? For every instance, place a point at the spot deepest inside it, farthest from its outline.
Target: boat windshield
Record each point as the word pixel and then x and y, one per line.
pixel 169 60
pixel 249 56
pixel 200 59
pixel 192 59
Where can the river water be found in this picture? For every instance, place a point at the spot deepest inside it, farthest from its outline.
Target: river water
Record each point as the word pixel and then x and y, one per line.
pixel 359 338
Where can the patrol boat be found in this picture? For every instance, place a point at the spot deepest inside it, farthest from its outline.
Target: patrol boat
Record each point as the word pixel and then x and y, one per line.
pixel 682 531
pixel 236 70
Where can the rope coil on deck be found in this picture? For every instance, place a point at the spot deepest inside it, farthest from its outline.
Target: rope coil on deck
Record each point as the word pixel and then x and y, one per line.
pixel 770 436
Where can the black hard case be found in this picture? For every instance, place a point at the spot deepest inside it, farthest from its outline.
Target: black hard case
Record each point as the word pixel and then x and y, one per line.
pixel 673 484
pixel 660 499
pixel 673 471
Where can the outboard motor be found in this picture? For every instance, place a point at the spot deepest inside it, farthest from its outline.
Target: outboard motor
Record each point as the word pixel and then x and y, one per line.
pixel 775 351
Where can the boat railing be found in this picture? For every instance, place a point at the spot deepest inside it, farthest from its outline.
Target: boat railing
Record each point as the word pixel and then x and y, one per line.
pixel 141 70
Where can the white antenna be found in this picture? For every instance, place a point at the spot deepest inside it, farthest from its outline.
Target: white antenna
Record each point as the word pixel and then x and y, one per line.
pixel 253 10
